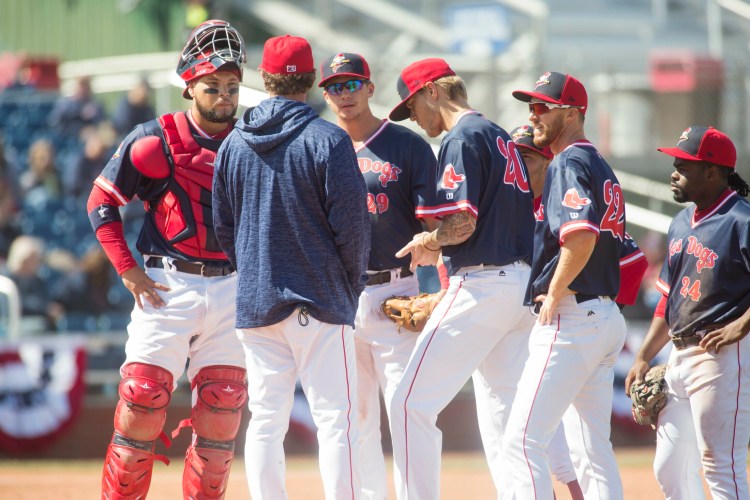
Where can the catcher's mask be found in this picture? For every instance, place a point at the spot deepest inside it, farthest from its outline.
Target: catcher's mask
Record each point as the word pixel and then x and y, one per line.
pixel 211 46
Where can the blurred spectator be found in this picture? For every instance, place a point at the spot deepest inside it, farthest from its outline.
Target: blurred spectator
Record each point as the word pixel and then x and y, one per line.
pixel 86 166
pixel 86 287
pixel 9 228
pixel 22 80
pixel 9 225
pixel 653 246
pixel 24 268
pixel 72 114
pixel 135 107
pixel 41 178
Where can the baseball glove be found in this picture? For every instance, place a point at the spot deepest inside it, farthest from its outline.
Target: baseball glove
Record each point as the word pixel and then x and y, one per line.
pixel 649 396
pixel 411 312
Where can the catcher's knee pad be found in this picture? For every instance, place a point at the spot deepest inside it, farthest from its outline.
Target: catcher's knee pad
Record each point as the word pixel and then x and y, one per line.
pixel 145 391
pixel 221 395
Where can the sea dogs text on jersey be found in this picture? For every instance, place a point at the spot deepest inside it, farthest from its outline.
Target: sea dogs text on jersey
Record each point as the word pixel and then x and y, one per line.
pixel 706 256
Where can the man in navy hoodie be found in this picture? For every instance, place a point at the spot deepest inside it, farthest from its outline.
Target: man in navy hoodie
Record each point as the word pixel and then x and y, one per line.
pixel 290 212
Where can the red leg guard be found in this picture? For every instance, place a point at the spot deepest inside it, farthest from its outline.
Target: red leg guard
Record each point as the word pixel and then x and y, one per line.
pixel 222 393
pixel 145 391
pixel 207 467
pixel 127 469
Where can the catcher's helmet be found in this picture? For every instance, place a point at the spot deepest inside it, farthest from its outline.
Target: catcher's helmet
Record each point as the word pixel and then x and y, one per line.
pixel 212 45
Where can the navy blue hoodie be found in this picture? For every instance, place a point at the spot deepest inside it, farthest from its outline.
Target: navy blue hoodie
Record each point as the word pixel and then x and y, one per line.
pixel 290 212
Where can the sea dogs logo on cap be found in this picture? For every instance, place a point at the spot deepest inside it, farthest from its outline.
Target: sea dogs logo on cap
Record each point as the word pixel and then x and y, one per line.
pixel 684 136
pixel 543 80
pixel 523 131
pixel 338 61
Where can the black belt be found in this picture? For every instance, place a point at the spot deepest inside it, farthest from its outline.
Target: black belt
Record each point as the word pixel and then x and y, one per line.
pixel 208 270
pixel 583 297
pixel 686 341
pixel 385 276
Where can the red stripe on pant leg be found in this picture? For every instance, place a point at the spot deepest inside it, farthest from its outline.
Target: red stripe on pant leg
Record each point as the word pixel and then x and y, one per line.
pixel 736 411
pixel 411 386
pixel 531 409
pixel 348 412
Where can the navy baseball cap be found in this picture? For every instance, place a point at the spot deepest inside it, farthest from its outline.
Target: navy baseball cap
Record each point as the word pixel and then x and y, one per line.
pixel 413 78
pixel 706 144
pixel 344 64
pixel 523 136
pixel 556 88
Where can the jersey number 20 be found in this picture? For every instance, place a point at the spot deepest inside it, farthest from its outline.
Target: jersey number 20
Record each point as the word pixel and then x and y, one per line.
pixel 514 171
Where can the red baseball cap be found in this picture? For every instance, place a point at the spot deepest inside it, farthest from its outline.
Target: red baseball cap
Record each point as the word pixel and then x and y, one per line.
pixel 344 64
pixel 287 55
pixel 413 78
pixel 523 136
pixel 707 144
pixel 556 88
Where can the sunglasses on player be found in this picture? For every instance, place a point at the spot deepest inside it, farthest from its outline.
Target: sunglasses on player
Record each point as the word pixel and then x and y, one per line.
pixel 540 108
pixel 338 88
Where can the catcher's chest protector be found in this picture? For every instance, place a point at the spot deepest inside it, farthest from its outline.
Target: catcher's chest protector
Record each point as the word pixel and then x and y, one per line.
pixel 183 214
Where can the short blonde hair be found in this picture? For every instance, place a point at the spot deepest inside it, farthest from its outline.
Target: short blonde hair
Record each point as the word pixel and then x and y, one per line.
pixel 453 86
pixel 20 250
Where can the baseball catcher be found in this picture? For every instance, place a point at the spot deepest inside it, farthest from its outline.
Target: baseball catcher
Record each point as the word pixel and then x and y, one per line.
pixel 649 396
pixel 411 313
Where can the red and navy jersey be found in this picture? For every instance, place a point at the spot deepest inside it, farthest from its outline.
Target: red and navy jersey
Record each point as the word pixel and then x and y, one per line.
pixel 399 169
pixel 633 265
pixel 480 171
pixel 706 273
pixel 178 221
pixel 581 193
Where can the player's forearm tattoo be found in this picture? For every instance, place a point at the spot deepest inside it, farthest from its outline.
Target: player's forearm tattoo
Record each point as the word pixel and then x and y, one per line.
pixel 455 229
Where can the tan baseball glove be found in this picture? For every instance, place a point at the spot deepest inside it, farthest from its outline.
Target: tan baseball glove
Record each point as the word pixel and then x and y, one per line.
pixel 649 397
pixel 411 312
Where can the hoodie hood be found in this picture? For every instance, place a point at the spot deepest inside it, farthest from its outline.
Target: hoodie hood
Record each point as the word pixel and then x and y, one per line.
pixel 272 122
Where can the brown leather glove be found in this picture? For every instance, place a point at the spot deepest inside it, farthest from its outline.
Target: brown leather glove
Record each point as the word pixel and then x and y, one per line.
pixel 411 312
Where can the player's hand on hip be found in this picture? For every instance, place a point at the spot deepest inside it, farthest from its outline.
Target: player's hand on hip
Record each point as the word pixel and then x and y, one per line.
pixel 420 255
pixel 724 336
pixel 547 310
pixel 636 374
pixel 140 285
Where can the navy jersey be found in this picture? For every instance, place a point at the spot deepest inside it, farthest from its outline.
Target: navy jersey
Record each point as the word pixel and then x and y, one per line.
pixel 399 169
pixel 481 171
pixel 580 193
pixel 124 182
pixel 706 273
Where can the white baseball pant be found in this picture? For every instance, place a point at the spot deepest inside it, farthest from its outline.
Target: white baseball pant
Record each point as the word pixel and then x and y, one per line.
pixel 706 422
pixel 492 415
pixel 197 322
pixel 479 323
pixel 570 363
pixel 382 354
pixel 323 357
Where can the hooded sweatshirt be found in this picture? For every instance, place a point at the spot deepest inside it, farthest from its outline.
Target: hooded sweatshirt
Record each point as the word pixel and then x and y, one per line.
pixel 290 212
